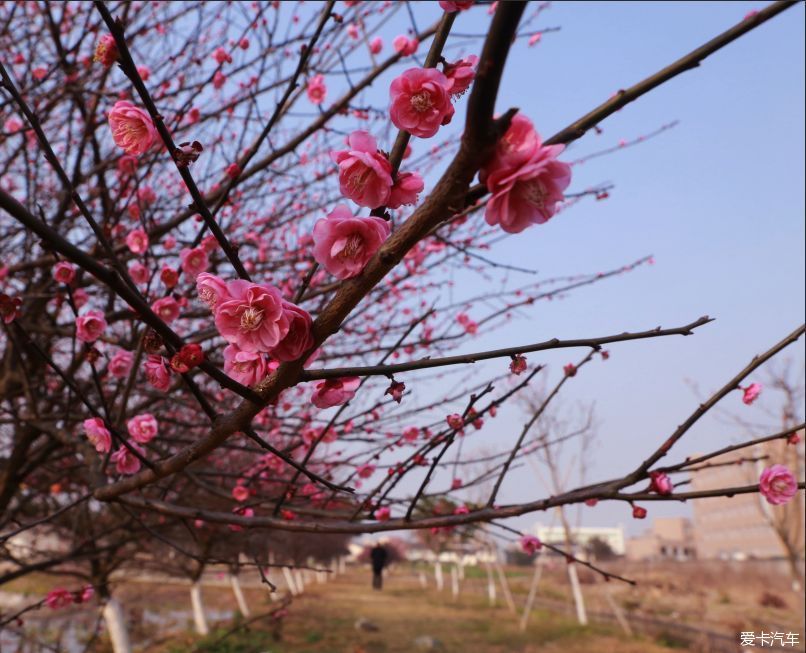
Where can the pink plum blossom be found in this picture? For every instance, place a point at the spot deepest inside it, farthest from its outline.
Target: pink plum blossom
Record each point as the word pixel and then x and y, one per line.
pixel 457 5
pixel 125 461
pixel 245 367
pixel 344 243
pixel 143 427
pixel 316 89
pixel 90 326
pixel 98 434
pixel 404 45
pixel 64 272
pixel 530 544
pixel 58 597
pixel 137 241
pixel 383 513
pixel 253 317
pixel 333 392
pixel 211 290
pixel 751 393
pixel 777 484
pixel 121 363
pixel 240 493
pixel 194 261
pixel 166 308
pixel 421 101
pixel 376 45
pixel 157 373
pixel 660 483
pixel 132 128
pixel 298 340
pixel 529 194
pixel 460 74
pixel 405 191
pixel 365 175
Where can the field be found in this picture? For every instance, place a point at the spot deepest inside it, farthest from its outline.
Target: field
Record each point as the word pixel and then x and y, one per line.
pixel 696 606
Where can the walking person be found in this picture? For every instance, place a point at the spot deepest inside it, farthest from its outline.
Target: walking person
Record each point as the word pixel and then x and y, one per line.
pixel 379 556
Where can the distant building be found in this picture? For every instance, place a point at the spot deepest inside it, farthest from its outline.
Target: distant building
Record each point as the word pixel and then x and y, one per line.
pixel 669 538
pixel 582 535
pixel 736 527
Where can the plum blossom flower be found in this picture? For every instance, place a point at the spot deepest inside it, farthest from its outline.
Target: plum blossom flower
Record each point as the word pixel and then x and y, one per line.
pixel 169 276
pixel 138 272
pixel 157 373
pixel 365 471
pixel 660 483
pixel 121 363
pixel 64 272
pixel 298 340
pixel 90 326
pixel 240 493
pixel 333 392
pixel 98 434
pixel 421 101
pixel 143 427
pixel 12 126
pixel 460 74
pixel 365 175
pixel 455 421
pixel 316 89
pixel 166 308
pixel 777 484
pixel 125 461
pixel 530 544
pixel 407 187
pixel 194 261
pixel 132 128
pixel 383 513
pixel 405 46
pixel 106 51
pixel 518 144
pixel 376 45
pixel 58 597
pixel 137 241
pixel 191 355
pixel 570 369
pixel 211 290
pixel 458 5
pixel 751 393
pixel 253 317
pixel 529 194
pixel 344 243
pixel 638 512
pixel 222 56
pixel 245 367
pixel 395 390
pixel 518 364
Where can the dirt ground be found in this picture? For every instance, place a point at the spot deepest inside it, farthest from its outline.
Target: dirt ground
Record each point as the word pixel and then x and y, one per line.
pixel 345 615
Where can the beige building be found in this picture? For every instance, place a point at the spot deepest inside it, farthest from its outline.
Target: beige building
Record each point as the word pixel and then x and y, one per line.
pixel 743 526
pixel 669 538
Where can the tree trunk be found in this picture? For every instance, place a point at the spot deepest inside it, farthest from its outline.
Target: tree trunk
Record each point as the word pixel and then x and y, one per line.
pixel 582 615
pixel 199 618
pixel 239 597
pixel 116 624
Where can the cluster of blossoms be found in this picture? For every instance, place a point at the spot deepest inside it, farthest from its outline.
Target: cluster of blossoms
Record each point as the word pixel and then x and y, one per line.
pixel 525 180
pixel 59 597
pixel 256 321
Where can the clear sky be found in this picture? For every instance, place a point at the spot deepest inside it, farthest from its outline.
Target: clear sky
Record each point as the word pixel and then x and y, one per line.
pixel 718 201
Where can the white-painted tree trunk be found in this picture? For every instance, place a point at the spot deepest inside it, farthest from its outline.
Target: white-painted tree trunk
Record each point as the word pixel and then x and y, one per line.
pixel 299 580
pixel 199 618
pixel 502 578
pixel 423 580
pixel 490 584
pixel 116 624
pixel 438 575
pixel 289 581
pixel 455 582
pixel 243 606
pixel 530 599
pixel 342 565
pixel 616 608
pixel 582 616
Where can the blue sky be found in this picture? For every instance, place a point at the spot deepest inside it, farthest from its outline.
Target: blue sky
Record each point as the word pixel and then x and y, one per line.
pixel 718 201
